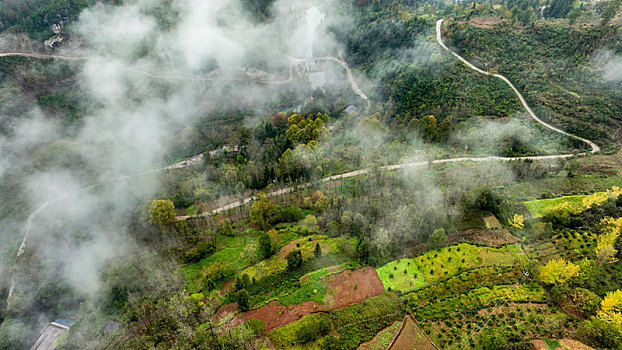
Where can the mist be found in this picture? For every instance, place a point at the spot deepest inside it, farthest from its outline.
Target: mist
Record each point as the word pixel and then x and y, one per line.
pixel 144 79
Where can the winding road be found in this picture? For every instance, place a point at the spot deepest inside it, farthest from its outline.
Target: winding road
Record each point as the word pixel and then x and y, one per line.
pixel 417 164
pixel 439 38
pixel 356 89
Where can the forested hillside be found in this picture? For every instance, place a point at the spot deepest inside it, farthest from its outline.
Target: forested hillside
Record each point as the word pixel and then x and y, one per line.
pixel 366 174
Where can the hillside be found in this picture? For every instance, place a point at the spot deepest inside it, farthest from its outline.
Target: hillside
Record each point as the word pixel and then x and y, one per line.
pixel 310 175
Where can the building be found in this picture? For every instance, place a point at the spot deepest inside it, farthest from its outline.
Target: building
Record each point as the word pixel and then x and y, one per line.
pixel 49 333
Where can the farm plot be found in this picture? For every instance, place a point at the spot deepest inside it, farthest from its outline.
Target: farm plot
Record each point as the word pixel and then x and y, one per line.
pixel 278 262
pixel 462 283
pixel 344 328
pixel 359 323
pixel 539 207
pixel 525 320
pixel 478 298
pixel 384 338
pixel 353 286
pixel 318 291
pixel 412 337
pixel 562 344
pixel 568 244
pixel 436 265
pixel 233 254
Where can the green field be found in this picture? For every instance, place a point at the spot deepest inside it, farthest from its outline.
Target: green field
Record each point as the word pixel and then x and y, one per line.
pixel 278 263
pixel 436 265
pixel 232 254
pixel 539 207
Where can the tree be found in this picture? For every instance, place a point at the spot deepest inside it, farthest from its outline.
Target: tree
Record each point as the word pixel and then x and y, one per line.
pixel 585 300
pixel 606 251
pixel 610 11
pixel 162 213
pixel 266 249
pixel 518 221
pixel 492 339
pixel 559 8
pixel 242 282
pixel 438 238
pixel 558 271
pixel 294 259
pixel 310 223
pixel 317 251
pixel 573 15
pixel 264 213
pixel 242 299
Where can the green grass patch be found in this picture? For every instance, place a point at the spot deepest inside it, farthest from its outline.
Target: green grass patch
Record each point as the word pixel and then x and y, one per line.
pixel 307 329
pixel 491 222
pixel 479 297
pixel 359 323
pixel 393 276
pixel 382 340
pixel 233 253
pixel 539 207
pixel 437 265
pixel 552 344
pixel 278 263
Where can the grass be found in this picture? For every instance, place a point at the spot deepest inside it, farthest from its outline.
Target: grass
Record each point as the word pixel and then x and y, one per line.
pixel 359 323
pixel 558 186
pixel 479 297
pixel 393 277
pixel 436 265
pixel 462 283
pixel 383 338
pixel 278 263
pixel 539 207
pixel 491 222
pixel 231 252
pixel 290 334
pixel 552 344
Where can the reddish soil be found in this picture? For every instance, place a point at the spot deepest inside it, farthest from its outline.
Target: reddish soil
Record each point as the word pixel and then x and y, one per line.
pixel 484 22
pixel 353 287
pixel 225 309
pixel 275 315
pixel 411 337
pixel 227 287
pixel 539 344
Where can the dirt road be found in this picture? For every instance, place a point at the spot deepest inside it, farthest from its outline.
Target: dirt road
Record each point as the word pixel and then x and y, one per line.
pixel 439 38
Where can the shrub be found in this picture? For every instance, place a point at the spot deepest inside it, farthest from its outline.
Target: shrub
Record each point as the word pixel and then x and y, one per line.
pixel 294 259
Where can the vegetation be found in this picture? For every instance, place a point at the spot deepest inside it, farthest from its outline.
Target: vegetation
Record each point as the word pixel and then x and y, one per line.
pixel 467 255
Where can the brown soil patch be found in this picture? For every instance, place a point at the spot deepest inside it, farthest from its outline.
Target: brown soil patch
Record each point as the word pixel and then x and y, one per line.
pixel 539 344
pixel 353 287
pixel 228 286
pixel 225 309
pixel 275 315
pixel 492 238
pixel 411 337
pixel 484 22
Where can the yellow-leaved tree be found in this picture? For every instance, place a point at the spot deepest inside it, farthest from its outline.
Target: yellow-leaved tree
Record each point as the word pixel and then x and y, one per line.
pixel 558 271
pixel 162 213
pixel 611 309
pixel 605 246
pixel 517 221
